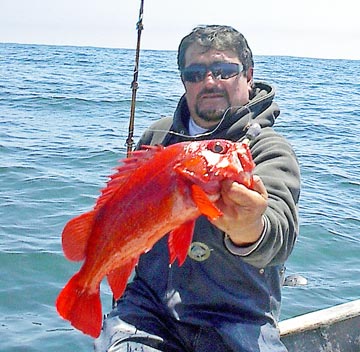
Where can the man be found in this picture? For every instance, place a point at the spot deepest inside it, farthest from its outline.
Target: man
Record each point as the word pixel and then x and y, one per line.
pixel 226 296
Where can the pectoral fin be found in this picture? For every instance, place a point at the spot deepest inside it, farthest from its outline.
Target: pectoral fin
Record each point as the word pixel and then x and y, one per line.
pixel 205 205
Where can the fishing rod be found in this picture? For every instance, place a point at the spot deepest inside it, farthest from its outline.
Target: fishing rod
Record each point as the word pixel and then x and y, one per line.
pixel 134 87
pixel 134 84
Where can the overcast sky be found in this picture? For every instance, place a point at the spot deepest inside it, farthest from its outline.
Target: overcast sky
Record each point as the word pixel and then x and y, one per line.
pixel 310 28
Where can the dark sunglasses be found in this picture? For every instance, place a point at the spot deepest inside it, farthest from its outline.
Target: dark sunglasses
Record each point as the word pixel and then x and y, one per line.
pixel 220 70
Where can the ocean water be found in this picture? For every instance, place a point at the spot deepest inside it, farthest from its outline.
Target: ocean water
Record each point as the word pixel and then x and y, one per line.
pixel 64 115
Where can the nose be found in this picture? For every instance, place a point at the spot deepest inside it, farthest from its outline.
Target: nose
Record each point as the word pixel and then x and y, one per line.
pixel 210 79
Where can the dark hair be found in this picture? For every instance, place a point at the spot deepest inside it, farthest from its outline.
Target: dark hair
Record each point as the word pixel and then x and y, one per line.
pixel 220 38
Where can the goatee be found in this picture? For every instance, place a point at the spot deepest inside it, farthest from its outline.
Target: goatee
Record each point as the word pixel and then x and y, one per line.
pixel 212 115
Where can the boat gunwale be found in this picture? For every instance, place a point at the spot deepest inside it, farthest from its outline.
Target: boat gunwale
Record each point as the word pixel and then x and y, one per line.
pixel 320 318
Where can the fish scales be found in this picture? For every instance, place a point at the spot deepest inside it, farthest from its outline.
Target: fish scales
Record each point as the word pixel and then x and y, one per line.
pixel 155 192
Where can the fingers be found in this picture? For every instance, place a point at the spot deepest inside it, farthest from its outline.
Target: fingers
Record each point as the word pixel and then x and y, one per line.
pixel 233 192
pixel 242 210
pixel 259 187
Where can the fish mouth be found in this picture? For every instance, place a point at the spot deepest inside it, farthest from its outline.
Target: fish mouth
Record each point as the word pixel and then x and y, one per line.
pixel 214 197
pixel 212 189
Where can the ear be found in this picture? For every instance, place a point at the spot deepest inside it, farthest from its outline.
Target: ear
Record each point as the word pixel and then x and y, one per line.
pixel 249 75
pixel 250 82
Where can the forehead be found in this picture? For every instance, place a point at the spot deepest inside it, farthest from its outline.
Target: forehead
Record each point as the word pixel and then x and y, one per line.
pixel 196 53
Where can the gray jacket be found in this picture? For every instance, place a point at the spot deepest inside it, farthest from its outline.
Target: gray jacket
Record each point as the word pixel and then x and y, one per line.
pixel 237 295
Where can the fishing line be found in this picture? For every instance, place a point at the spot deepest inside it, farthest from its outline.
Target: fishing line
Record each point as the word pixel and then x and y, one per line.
pixel 209 133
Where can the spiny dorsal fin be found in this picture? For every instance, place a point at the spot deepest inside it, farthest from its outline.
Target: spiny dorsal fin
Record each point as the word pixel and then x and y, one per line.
pixel 136 159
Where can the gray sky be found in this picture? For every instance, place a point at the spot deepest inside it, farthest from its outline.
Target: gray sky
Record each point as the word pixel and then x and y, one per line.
pixel 310 28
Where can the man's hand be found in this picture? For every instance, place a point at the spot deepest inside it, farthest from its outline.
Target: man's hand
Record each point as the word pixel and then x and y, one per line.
pixel 242 211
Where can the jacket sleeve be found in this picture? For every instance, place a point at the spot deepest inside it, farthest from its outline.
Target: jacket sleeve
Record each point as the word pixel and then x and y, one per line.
pixel 278 167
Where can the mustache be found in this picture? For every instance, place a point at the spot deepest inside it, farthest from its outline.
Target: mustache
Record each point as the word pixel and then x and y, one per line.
pixel 213 90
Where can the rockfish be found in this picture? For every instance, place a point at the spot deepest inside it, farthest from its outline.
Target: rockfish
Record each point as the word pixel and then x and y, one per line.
pixel 156 191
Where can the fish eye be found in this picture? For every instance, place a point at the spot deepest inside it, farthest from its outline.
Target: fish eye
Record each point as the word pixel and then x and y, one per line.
pixel 218 147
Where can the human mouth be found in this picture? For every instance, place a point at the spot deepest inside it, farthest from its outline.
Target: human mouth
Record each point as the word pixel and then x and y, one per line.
pixel 212 96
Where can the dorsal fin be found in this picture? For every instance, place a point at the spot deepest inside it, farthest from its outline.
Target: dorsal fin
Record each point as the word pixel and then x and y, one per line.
pixel 125 170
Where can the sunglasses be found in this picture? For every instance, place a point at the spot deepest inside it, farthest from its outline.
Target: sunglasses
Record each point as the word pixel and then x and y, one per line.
pixel 220 70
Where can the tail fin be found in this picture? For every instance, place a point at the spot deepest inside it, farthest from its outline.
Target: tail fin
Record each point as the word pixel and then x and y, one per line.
pixel 81 307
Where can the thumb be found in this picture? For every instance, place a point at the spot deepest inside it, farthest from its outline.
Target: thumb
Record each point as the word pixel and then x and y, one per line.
pixel 259 187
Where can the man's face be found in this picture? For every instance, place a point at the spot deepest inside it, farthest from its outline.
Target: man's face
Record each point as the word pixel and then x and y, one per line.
pixel 209 98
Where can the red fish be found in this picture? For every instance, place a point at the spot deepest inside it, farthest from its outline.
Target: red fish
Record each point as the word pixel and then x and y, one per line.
pixel 157 190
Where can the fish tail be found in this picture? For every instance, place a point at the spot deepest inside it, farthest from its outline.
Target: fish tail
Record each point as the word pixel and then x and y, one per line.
pixel 81 307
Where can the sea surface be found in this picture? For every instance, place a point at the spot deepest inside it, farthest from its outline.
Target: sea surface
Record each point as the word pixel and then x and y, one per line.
pixel 64 115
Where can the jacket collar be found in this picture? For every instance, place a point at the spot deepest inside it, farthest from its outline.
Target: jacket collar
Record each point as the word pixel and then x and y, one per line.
pixel 261 108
